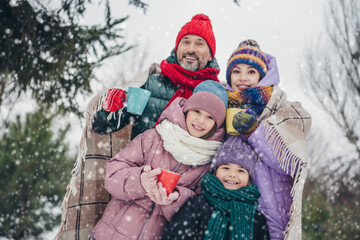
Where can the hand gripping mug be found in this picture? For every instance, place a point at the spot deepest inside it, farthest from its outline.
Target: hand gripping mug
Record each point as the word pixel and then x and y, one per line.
pixel 230 112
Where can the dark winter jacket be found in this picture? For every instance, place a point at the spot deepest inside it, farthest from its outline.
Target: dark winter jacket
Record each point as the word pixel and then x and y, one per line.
pixel 162 90
pixel 191 220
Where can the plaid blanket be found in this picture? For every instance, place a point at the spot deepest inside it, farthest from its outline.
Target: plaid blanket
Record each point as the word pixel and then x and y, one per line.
pixel 83 209
pixel 86 198
pixel 286 125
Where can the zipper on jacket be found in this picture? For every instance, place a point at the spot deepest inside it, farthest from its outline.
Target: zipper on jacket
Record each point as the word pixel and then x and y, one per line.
pixel 146 222
pixel 177 167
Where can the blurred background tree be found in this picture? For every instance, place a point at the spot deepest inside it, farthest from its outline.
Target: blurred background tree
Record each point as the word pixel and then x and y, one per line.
pixel 35 167
pixel 48 54
pixel 331 76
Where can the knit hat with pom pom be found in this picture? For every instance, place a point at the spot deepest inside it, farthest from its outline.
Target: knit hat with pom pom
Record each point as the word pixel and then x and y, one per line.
pixel 200 25
pixel 209 96
pixel 238 151
pixel 248 52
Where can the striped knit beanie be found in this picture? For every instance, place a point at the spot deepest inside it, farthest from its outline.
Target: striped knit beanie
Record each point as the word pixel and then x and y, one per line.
pixel 248 52
pixel 200 25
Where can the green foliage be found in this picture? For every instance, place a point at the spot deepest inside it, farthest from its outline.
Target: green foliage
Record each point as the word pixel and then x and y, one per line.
pixel 49 54
pixel 34 170
pixel 139 4
pixel 331 216
pixel 316 211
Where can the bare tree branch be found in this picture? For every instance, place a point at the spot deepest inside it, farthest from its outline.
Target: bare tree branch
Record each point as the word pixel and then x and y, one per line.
pixel 331 77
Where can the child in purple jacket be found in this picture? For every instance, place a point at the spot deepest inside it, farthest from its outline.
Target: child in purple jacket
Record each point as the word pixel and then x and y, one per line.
pixel 276 129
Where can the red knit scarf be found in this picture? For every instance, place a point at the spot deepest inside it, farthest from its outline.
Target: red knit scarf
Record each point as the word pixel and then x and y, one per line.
pixel 185 79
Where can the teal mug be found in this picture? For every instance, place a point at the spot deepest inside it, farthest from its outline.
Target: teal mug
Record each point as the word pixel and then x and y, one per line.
pixel 137 100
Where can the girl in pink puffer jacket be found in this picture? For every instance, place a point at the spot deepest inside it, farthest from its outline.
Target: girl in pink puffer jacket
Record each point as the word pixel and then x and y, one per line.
pixel 189 133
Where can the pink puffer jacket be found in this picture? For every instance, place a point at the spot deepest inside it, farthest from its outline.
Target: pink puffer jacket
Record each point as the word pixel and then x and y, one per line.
pixel 131 214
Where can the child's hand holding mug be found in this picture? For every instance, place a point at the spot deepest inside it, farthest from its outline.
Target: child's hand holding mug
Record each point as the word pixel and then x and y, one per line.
pixel 160 196
pixel 148 178
pixel 159 185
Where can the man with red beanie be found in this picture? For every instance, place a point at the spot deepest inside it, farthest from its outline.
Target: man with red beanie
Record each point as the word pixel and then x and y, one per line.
pixel 109 126
pixel 190 63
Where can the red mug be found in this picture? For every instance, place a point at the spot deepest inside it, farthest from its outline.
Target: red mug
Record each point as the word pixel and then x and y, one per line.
pixel 168 180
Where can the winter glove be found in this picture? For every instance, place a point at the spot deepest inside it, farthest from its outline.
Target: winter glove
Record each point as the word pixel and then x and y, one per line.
pixel 114 100
pixel 148 178
pixel 159 196
pixel 245 122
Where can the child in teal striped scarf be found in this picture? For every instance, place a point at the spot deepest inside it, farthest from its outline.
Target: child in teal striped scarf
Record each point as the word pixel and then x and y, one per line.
pixel 227 205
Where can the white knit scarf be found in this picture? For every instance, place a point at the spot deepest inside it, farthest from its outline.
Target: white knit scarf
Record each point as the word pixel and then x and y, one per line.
pixel 185 148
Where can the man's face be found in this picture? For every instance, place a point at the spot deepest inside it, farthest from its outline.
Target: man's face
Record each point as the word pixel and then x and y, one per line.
pixel 193 53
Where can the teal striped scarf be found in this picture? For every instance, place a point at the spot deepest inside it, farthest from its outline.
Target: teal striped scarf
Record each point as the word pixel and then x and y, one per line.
pixel 233 215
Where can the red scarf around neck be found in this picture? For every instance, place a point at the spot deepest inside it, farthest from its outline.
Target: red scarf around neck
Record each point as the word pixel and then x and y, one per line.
pixel 185 79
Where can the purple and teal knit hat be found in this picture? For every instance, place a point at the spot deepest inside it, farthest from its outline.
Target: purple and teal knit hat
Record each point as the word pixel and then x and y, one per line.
pixel 248 52
pixel 238 151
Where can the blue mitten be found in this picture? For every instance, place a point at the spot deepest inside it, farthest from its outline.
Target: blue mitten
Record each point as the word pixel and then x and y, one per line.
pixel 245 122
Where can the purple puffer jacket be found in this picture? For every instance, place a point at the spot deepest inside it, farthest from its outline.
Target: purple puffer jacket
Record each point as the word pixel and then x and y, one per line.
pixel 273 183
pixel 131 214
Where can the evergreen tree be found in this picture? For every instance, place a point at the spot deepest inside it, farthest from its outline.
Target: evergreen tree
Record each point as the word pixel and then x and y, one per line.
pixel 49 54
pixel 316 215
pixel 328 215
pixel 34 170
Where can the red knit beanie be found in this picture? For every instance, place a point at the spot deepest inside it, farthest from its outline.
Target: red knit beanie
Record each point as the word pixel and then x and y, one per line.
pixel 200 24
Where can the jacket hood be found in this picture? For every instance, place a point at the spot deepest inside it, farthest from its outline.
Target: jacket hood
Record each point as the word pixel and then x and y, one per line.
pixel 271 78
pixel 174 113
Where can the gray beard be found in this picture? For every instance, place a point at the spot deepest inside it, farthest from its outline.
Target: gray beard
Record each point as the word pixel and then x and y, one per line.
pixel 189 67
